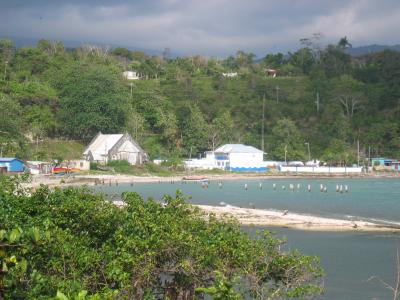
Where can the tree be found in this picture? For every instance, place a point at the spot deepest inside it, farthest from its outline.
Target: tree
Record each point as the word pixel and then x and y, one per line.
pixel 286 141
pixel 274 60
pixel 92 99
pixel 221 130
pixel 135 124
pixel 74 243
pixel 194 130
pixel 11 137
pixel 302 59
pixel 349 93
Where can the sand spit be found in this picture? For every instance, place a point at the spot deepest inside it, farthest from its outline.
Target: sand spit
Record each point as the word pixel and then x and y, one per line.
pixel 261 217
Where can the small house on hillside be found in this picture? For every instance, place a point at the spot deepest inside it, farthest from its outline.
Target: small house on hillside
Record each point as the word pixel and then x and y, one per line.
pixel 271 72
pixel 131 75
pixel 12 164
pixel 107 147
pixel 230 74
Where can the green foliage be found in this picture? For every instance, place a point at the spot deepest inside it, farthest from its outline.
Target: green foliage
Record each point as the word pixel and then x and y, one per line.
pixel 286 138
pixel 92 100
pixel 74 244
pixel 185 106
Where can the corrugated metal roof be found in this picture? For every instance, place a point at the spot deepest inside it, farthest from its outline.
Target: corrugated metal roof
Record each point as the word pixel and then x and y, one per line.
pixel 8 159
pixel 237 148
pixel 102 144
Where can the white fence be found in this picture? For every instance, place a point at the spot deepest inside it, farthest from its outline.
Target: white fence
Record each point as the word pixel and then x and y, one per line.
pixel 321 169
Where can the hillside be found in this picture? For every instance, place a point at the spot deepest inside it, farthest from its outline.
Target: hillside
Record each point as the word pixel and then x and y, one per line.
pixel 184 106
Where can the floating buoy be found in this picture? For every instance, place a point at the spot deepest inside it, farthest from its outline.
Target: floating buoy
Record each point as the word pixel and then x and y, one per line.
pixel 325 189
pixel 245 186
pixel 341 188
pixel 274 186
pixel 346 188
pixel 309 187
pixel 298 186
pixel 291 187
pixel 337 188
pixel 283 187
pixel 220 185
pixel 260 185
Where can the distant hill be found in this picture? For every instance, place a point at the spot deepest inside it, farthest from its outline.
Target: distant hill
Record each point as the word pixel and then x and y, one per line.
pixel 69 44
pixel 357 51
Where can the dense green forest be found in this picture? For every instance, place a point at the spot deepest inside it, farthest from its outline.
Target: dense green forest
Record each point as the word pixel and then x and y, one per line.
pixel 184 106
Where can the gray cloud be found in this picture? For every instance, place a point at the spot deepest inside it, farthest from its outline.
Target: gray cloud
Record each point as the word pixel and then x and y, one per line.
pixel 210 27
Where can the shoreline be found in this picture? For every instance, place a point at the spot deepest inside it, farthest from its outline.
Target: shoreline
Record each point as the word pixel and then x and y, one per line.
pixel 77 179
pixel 270 218
pixel 245 216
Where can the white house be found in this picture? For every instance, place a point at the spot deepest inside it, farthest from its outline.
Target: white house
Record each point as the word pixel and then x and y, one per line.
pixel 232 157
pixel 230 74
pixel 131 75
pixel 107 147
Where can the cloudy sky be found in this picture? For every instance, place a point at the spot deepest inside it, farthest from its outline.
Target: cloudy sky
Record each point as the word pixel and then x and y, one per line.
pixel 208 27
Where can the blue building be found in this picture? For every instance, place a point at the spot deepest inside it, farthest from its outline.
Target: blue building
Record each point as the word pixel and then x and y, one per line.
pixel 12 164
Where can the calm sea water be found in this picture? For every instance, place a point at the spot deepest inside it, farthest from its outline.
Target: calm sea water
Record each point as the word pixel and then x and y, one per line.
pixel 349 259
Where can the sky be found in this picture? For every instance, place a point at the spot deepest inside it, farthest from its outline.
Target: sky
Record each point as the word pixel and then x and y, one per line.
pixel 207 27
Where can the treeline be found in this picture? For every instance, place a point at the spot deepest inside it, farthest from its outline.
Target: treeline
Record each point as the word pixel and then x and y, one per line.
pixel 322 97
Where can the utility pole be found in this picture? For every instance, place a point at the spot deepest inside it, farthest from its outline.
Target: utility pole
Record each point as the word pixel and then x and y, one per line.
pixel 369 156
pixel 285 154
pixel 309 153
pixel 317 102
pixel 262 124
pixel 277 93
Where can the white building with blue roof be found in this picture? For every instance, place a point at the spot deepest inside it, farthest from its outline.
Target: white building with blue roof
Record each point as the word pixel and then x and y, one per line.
pixel 232 157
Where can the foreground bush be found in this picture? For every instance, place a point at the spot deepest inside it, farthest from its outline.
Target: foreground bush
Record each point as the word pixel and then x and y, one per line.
pixel 73 244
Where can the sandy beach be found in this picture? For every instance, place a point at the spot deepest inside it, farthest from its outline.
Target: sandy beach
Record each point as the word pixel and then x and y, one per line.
pixel 261 217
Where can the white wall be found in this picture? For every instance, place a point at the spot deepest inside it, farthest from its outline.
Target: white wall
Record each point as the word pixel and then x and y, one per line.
pixel 321 169
pixel 245 159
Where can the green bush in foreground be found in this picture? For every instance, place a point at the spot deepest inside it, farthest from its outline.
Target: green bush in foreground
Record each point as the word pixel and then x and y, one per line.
pixel 73 244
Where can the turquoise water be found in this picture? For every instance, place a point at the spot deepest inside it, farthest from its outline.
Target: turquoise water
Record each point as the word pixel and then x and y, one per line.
pixel 349 259
pixel 377 200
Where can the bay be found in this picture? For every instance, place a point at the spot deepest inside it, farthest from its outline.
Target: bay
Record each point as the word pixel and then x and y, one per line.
pixel 348 258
